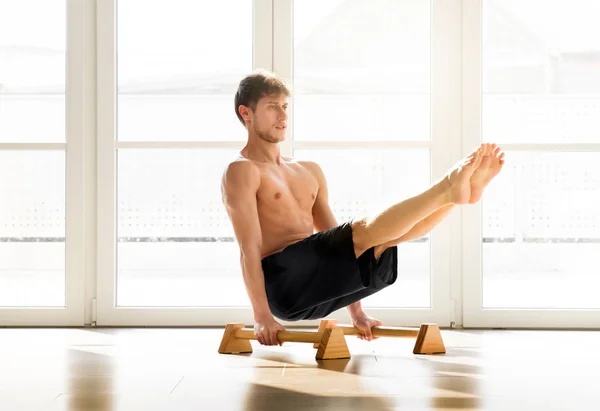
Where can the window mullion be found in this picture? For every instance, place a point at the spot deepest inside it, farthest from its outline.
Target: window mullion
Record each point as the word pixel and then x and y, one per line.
pixel 283 48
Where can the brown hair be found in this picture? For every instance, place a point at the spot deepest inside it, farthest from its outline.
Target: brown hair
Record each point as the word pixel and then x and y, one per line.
pixel 256 85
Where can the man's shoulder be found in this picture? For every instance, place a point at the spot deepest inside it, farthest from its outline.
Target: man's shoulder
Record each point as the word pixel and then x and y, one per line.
pixel 312 166
pixel 239 167
pixel 238 164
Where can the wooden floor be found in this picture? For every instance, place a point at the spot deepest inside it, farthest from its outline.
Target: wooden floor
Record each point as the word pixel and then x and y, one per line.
pixel 180 369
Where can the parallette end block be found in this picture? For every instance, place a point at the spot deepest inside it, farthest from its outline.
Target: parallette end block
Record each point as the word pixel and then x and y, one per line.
pixel 429 340
pixel 323 325
pixel 230 344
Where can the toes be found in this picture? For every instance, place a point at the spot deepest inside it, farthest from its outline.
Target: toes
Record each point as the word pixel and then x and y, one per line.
pixel 478 160
pixel 498 155
pixel 485 148
pixel 481 149
pixel 474 158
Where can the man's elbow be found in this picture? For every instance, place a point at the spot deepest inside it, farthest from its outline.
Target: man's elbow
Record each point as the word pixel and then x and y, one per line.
pixel 249 252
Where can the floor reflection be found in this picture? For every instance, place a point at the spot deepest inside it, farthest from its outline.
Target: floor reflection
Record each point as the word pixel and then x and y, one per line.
pixel 90 380
pixel 457 375
pixel 266 398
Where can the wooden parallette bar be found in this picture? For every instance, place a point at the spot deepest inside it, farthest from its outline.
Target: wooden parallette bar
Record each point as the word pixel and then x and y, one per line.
pixel 428 337
pixel 284 336
pixel 382 331
pixel 331 342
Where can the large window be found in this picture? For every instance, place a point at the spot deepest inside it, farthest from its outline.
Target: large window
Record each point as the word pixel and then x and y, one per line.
pixel 175 243
pixel 362 70
pixel 32 71
pixel 117 119
pixel 32 181
pixel 541 86
pixel 176 246
pixel 178 67
pixel 362 75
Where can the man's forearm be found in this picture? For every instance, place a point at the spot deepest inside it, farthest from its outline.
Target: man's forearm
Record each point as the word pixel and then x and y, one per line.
pixel 254 280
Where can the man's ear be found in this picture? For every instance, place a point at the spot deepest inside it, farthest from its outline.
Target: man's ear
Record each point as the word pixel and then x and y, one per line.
pixel 244 112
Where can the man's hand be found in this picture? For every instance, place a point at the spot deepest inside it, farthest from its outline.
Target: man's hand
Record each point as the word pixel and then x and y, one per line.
pixel 266 331
pixel 364 323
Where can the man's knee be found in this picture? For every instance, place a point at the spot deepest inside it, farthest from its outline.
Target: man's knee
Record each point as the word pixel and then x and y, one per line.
pixel 363 239
pixel 378 250
pixel 360 236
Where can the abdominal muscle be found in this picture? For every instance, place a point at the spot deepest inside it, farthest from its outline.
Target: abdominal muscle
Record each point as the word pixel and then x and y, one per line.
pixel 282 230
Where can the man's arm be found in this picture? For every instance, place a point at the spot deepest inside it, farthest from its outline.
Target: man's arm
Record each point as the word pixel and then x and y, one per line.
pixel 323 218
pixel 240 184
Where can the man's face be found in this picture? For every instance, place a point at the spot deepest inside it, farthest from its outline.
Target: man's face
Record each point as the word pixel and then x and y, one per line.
pixel 269 120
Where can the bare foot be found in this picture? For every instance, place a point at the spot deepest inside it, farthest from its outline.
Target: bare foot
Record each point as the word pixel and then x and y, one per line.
pixel 491 165
pixel 459 177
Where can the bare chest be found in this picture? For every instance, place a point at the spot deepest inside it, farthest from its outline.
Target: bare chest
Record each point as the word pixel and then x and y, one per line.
pixel 288 188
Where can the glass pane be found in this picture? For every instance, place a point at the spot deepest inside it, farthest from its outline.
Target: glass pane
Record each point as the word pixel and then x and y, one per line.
pixel 364 60
pixel 363 182
pixel 32 70
pixel 179 65
pixel 541 232
pixel 176 245
pixel 32 228
pixel 541 71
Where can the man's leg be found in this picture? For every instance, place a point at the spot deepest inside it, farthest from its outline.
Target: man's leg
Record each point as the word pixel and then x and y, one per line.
pixel 397 220
pixel 491 164
pixel 420 229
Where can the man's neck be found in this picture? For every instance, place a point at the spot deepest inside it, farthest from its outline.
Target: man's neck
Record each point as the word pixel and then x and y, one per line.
pixel 263 151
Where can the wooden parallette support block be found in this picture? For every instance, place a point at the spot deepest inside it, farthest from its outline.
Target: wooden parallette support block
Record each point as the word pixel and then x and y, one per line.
pixel 429 339
pixel 331 342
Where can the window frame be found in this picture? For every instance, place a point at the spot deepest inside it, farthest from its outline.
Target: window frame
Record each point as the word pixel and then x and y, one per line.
pixel 77 228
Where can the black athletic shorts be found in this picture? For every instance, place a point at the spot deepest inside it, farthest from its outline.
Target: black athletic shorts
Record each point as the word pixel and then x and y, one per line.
pixel 320 274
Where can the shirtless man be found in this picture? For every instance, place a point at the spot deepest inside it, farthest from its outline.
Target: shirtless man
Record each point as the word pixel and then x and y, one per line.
pixel 297 261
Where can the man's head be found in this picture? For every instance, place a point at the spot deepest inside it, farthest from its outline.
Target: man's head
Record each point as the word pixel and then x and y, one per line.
pixel 261 105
